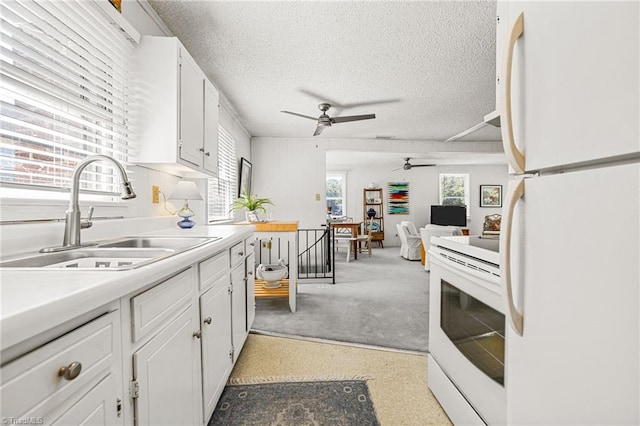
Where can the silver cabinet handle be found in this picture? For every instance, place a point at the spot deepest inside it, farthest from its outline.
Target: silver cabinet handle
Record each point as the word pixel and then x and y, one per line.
pixel 207 320
pixel 514 155
pixel 70 371
pixel 197 334
pixel 514 193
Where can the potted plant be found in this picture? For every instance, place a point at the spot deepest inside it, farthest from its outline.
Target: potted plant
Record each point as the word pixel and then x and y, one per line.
pixel 252 204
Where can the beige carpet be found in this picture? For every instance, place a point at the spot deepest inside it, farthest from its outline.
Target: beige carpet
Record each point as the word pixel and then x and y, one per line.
pixel 397 381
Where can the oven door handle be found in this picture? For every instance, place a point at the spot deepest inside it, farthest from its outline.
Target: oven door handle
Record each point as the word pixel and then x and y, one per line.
pixel 514 193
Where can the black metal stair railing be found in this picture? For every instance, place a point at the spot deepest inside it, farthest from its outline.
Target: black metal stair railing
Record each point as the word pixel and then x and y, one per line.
pixel 316 259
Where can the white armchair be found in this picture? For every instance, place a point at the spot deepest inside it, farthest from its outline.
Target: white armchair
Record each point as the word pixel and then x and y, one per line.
pixel 411 227
pixel 410 247
pixel 436 231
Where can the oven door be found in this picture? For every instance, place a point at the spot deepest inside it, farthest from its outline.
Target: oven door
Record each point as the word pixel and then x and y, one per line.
pixel 466 336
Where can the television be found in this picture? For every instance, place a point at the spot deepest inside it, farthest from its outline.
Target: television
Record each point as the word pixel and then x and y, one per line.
pixel 449 215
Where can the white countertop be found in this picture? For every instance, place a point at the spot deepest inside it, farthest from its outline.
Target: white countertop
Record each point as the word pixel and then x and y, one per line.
pixel 33 301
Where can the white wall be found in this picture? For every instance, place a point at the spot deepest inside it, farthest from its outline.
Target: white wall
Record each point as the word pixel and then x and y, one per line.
pixel 292 171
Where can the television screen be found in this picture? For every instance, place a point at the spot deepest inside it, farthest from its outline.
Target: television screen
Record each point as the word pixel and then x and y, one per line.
pixel 449 215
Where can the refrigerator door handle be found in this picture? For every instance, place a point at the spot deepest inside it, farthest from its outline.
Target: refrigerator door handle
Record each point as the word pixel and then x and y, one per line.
pixel 514 155
pixel 514 193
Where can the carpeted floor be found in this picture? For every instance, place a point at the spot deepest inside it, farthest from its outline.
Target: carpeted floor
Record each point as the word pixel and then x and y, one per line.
pixel 380 301
pixel 397 381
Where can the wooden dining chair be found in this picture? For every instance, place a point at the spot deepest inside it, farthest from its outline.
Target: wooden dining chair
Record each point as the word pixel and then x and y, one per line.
pixel 366 238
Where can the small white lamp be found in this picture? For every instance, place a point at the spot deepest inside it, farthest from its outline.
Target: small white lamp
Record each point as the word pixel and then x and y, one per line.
pixel 185 190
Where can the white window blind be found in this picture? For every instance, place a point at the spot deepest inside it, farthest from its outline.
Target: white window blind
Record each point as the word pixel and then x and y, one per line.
pixel 64 94
pixel 222 190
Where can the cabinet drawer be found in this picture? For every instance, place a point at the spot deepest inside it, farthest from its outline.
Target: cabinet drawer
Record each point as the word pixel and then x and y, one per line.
pixel 237 254
pixel 211 269
pixel 249 245
pixel 155 306
pixel 32 386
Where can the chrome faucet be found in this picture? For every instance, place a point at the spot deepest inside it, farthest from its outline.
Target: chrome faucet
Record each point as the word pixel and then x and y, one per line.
pixel 73 222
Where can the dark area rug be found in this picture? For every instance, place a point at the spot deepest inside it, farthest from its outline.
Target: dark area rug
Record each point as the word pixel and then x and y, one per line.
pixel 296 404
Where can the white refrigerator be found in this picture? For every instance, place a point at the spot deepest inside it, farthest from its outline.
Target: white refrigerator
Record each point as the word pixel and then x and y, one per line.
pixel 570 238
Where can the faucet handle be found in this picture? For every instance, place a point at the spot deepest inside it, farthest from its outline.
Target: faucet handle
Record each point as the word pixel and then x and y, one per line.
pixel 86 223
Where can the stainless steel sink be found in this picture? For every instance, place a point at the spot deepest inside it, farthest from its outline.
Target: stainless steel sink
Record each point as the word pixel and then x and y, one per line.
pixel 176 243
pixel 116 255
pixel 90 258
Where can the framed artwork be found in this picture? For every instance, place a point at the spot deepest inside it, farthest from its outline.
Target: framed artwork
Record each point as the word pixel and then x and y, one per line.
pixel 244 183
pixel 490 195
pixel 398 197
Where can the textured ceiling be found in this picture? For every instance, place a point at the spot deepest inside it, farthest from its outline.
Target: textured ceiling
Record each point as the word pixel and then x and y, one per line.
pixel 425 68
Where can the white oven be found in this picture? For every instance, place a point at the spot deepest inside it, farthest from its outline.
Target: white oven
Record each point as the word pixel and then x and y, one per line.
pixel 466 330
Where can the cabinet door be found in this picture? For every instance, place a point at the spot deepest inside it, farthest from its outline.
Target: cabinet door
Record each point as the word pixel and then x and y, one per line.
pixel 191 110
pixel 166 369
pixel 575 81
pixel 250 268
pixel 210 128
pixel 96 407
pixel 238 309
pixel 215 321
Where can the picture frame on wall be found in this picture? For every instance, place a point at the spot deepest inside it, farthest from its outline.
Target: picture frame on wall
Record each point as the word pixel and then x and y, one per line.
pixel 490 195
pixel 244 183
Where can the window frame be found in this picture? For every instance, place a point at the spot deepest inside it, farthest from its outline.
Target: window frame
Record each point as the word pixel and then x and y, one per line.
pixel 343 177
pixel 467 188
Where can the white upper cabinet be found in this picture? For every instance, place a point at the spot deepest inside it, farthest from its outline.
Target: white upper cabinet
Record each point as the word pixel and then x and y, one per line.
pixel 177 119
pixel 210 148
pixel 574 81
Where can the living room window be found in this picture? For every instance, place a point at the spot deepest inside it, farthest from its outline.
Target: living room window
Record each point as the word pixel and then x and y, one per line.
pixel 336 186
pixel 222 190
pixel 64 96
pixel 454 189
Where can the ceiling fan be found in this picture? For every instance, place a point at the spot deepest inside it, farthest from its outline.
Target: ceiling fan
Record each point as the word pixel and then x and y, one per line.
pixel 325 121
pixel 408 166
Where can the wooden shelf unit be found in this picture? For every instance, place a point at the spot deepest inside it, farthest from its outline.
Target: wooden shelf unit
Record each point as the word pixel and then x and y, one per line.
pixel 372 199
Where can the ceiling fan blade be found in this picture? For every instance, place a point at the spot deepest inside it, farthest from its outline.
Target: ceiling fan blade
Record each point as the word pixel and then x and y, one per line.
pixel 319 130
pixel 423 165
pixel 352 118
pixel 300 115
pixel 337 105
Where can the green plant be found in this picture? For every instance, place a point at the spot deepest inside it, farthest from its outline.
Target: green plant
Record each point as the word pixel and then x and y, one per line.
pixel 250 202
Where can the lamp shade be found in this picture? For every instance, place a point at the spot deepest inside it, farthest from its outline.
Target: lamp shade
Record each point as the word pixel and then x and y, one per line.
pixel 185 190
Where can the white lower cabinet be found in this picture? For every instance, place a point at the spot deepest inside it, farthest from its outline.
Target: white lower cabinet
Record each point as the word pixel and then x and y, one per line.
pixel 250 268
pixel 167 375
pixel 74 379
pixel 215 320
pixel 179 336
pixel 238 309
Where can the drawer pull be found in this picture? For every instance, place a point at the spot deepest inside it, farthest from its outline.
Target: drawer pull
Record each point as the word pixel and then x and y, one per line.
pixel 197 334
pixel 71 371
pixel 207 320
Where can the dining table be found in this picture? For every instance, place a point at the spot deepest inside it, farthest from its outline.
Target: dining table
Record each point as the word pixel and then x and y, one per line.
pixel 355 231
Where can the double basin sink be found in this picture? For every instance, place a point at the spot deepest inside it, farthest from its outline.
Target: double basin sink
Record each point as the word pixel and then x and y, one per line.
pixel 119 254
